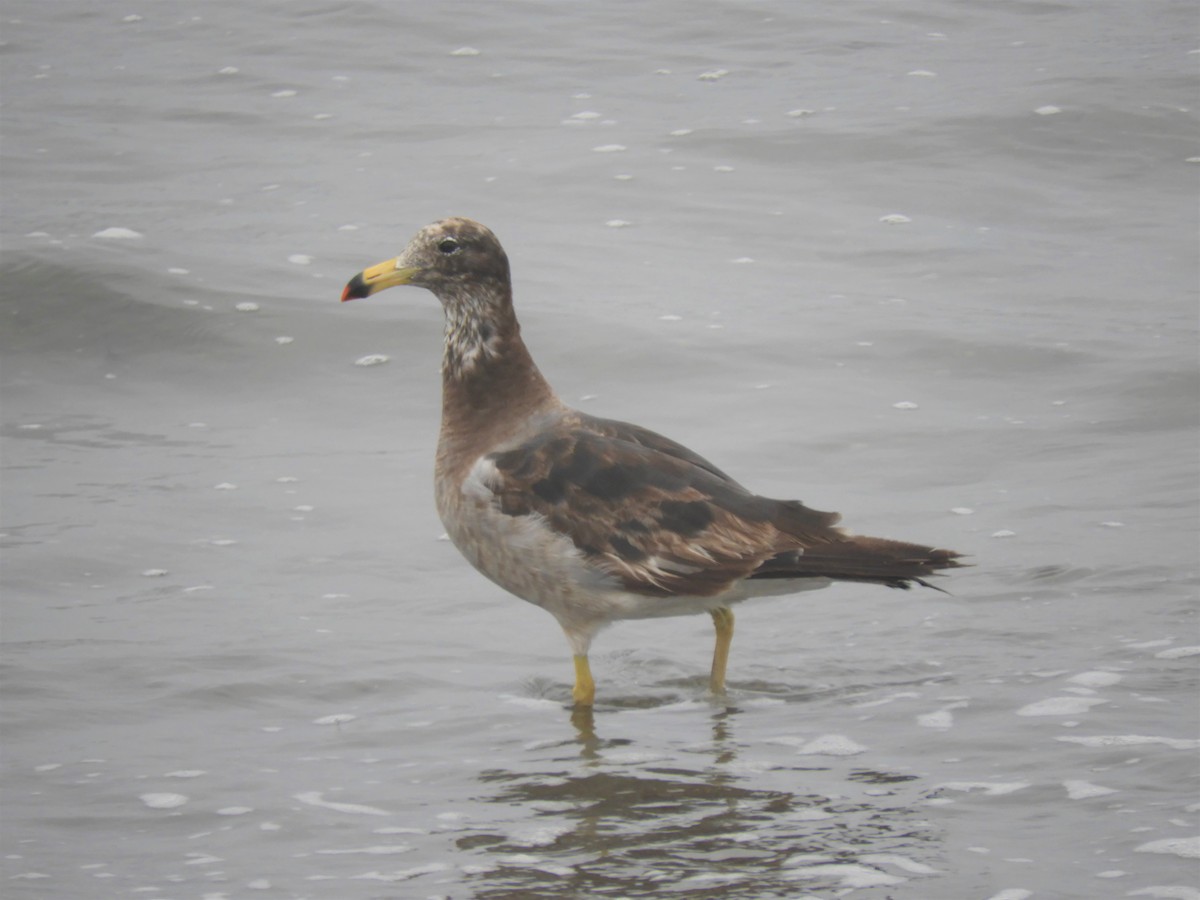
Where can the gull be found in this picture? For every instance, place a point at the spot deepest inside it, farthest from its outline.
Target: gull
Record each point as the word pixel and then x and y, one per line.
pixel 596 520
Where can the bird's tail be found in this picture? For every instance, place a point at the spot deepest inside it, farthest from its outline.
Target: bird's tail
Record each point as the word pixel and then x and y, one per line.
pixel 896 564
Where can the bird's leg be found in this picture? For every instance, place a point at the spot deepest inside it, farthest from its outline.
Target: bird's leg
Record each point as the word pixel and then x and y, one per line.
pixel 722 618
pixel 584 691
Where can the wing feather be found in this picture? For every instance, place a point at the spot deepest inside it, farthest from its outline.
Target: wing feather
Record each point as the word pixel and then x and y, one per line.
pixel 654 514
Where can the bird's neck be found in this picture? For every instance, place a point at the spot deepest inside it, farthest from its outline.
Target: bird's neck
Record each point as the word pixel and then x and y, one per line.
pixel 489 380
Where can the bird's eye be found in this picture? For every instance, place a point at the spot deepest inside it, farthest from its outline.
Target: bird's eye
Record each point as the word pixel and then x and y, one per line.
pixel 449 246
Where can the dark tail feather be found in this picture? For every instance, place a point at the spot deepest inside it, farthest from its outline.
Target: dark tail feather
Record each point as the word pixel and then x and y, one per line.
pixel 877 560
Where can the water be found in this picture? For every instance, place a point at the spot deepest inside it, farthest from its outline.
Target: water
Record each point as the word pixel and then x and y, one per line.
pixel 933 265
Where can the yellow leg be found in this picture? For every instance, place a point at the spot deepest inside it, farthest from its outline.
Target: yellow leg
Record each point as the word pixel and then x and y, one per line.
pixel 722 618
pixel 585 688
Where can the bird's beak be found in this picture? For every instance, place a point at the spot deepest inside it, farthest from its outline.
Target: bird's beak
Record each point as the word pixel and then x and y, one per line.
pixel 377 278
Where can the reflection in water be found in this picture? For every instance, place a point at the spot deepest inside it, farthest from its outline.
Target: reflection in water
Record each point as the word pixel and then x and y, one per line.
pixel 608 824
pixel 584 720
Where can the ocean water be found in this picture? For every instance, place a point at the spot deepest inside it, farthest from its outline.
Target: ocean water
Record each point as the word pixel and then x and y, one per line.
pixel 930 264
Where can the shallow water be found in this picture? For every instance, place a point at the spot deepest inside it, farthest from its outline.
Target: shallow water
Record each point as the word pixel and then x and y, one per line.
pixel 932 265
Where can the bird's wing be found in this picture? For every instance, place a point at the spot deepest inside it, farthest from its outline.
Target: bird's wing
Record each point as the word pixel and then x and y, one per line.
pixel 649 511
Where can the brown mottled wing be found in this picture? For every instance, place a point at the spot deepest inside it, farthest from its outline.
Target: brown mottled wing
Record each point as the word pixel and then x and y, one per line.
pixel 816 549
pixel 652 440
pixel 649 511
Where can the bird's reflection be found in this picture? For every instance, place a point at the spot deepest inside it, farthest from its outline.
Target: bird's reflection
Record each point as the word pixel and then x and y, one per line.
pixel 724 748
pixel 584 720
pixel 613 819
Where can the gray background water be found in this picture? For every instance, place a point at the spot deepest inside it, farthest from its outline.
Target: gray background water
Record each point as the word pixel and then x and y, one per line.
pixel 240 663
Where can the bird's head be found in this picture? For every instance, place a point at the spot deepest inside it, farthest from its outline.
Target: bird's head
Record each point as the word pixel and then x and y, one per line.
pixel 449 258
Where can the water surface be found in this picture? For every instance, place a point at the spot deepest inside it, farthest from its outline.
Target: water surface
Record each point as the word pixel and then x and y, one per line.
pixel 933 265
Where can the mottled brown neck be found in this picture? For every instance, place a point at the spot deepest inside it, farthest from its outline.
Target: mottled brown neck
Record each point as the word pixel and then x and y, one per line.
pixel 490 383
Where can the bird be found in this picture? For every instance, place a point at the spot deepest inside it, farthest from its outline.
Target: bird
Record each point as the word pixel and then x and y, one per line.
pixel 596 520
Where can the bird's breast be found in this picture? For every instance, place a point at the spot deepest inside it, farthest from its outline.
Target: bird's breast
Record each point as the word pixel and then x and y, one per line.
pixel 526 557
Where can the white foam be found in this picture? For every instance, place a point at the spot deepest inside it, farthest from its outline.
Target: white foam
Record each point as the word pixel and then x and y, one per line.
pixel 398 829
pixel 1177 653
pixel 372 359
pixel 202 859
pixel 825 745
pixel 1096 679
pixel 375 850
pixel 713 75
pixel 1012 894
pixel 1060 706
pixel 1188 848
pixel 1047 110
pixel 117 233
pixel 300 259
pixel 464 51
pixel 990 788
pixel 401 874
pixel 940 719
pixel 1167 892
pixel 609 148
pixel 235 810
pixel 900 862
pixel 1131 740
pixel 315 798
pixel 848 875
pixel 832 745
pixel 713 878
pixel 163 800
pixel 890 698
pixel 895 219
pixel 1082 790
pixel 807 859
pixel 539 836
pixel 247 307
